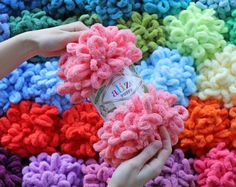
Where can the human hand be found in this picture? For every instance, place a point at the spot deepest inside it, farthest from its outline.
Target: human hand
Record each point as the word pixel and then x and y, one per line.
pixel 52 41
pixel 137 171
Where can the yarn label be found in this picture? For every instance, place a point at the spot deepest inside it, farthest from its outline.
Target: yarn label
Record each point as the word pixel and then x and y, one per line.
pixel 116 91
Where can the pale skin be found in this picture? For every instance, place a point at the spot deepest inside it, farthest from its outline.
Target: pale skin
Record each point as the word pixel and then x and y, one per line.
pixel 52 42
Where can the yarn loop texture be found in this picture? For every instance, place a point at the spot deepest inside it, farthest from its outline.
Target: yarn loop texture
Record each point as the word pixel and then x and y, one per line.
pixel 111 10
pixel 148 31
pixel 195 32
pixel 208 124
pixel 29 128
pixel 4 27
pixel 53 170
pixel 32 81
pixel 165 7
pixel 222 7
pixel 10 169
pixel 178 171
pixel 96 173
pixel 180 79
pixel 217 168
pixel 100 53
pixel 78 130
pixel 133 126
pixel 217 77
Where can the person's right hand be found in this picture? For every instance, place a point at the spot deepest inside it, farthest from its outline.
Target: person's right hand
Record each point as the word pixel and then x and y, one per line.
pixel 137 171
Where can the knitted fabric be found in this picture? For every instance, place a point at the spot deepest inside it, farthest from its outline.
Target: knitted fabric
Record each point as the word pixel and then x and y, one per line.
pixel 96 173
pixel 169 71
pixel 178 171
pixel 165 7
pixel 14 7
pixel 10 169
pixel 222 7
pixel 133 126
pixel 217 168
pixel 207 125
pixel 195 32
pixel 217 77
pixel 79 126
pixel 32 81
pixel 147 29
pixel 99 54
pixel 230 23
pixel 30 128
pixel 55 170
pixel 111 10
pixel 4 27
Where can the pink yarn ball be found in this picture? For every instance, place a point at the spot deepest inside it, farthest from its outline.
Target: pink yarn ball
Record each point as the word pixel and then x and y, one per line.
pixel 100 53
pixel 133 126
pixel 217 168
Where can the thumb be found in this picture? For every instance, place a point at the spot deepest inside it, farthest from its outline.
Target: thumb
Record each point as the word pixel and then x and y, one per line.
pixel 73 27
pixel 72 36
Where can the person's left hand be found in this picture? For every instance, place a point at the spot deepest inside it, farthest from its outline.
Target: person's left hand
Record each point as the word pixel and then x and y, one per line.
pixel 137 171
pixel 52 41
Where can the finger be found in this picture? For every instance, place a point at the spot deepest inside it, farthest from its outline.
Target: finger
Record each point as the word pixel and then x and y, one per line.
pixel 146 154
pixel 54 53
pixel 72 36
pixel 153 168
pixel 73 27
pixel 165 137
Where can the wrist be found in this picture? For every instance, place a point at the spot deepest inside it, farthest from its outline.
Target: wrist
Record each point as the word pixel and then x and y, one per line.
pixel 29 43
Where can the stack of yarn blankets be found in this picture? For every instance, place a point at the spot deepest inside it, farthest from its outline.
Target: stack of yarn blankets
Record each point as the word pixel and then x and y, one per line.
pixel 51 134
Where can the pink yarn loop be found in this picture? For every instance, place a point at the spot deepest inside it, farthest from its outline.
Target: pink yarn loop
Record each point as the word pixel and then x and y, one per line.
pixel 133 126
pixel 100 53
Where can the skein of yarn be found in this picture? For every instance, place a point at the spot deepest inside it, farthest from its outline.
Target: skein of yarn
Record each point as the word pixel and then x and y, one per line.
pixel 180 79
pixel 178 171
pixel 217 168
pixel 4 27
pixel 53 170
pixel 29 128
pixel 148 31
pixel 78 130
pixel 96 173
pixel 10 169
pixel 195 32
pixel 99 54
pixel 134 125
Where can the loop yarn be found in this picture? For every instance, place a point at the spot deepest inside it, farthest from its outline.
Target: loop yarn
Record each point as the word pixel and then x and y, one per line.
pixel 53 170
pixel 96 173
pixel 165 7
pixel 195 32
pixel 78 133
pixel 99 54
pixel 4 27
pixel 133 126
pixel 111 10
pixel 217 168
pixel 222 7
pixel 10 169
pixel 29 128
pixel 208 124
pixel 217 77
pixel 32 81
pixel 178 171
pixel 149 33
pixel 171 72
